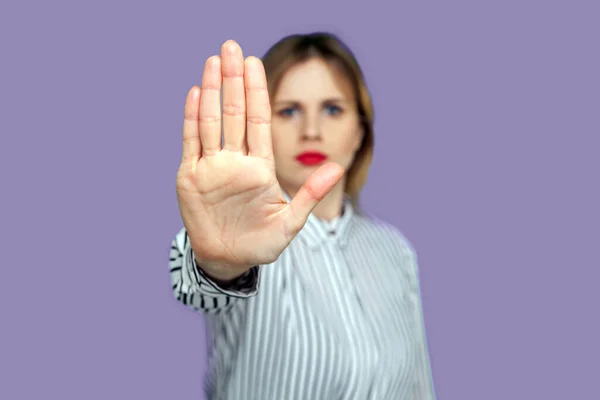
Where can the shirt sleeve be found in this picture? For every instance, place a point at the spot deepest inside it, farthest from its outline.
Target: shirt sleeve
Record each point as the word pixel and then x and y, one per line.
pixel 424 388
pixel 193 288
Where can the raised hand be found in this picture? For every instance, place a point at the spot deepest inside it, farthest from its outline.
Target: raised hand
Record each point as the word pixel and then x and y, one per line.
pixel 232 206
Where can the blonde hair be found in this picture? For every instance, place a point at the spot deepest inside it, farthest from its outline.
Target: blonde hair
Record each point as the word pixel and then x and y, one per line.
pixel 298 48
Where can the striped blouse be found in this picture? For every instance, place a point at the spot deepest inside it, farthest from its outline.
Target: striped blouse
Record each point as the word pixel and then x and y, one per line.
pixel 337 316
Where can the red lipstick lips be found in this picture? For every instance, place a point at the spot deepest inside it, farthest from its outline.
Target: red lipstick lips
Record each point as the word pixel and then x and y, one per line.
pixel 311 158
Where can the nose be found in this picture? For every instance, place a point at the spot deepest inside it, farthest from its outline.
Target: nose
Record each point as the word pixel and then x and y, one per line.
pixel 312 128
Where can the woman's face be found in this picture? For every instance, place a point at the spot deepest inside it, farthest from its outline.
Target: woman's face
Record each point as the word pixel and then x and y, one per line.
pixel 314 120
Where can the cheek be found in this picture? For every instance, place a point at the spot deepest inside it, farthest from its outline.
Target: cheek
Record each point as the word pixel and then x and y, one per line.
pixel 281 139
pixel 357 139
pixel 350 140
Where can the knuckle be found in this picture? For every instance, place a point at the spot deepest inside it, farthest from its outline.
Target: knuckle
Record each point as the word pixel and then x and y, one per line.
pixel 311 192
pixel 210 119
pixel 233 110
pixel 258 120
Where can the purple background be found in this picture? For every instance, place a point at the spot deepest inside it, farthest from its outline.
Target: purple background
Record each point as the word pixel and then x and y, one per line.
pixel 487 124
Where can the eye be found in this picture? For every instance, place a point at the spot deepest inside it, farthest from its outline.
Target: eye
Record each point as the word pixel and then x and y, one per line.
pixel 333 110
pixel 287 112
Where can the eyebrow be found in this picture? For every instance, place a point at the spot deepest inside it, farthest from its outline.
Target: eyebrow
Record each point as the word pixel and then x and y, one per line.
pixel 328 100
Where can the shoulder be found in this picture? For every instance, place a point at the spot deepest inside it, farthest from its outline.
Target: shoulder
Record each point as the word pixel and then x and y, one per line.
pixel 385 236
pixel 391 250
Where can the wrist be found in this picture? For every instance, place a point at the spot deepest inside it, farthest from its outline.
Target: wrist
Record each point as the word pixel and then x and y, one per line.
pixel 221 272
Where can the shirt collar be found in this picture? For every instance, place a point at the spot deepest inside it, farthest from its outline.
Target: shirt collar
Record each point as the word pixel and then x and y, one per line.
pixel 315 233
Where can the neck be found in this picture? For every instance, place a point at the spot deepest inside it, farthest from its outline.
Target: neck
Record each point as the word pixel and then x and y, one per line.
pixel 331 206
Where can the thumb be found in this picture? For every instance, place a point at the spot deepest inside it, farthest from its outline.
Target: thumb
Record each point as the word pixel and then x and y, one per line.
pixel 316 187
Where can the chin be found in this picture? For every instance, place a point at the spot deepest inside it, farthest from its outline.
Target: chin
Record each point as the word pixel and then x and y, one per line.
pixel 292 183
pixel 296 175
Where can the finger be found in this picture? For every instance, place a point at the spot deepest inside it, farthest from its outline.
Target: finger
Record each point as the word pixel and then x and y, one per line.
pixel 316 187
pixel 234 98
pixel 191 135
pixel 259 109
pixel 210 107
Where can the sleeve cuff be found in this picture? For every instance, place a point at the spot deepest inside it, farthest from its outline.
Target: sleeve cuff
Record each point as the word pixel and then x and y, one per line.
pixel 244 286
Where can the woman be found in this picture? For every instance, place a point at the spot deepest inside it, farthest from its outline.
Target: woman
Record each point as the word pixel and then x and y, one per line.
pixel 307 297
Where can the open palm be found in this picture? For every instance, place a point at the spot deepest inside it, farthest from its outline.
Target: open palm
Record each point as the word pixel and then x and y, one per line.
pixel 232 206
